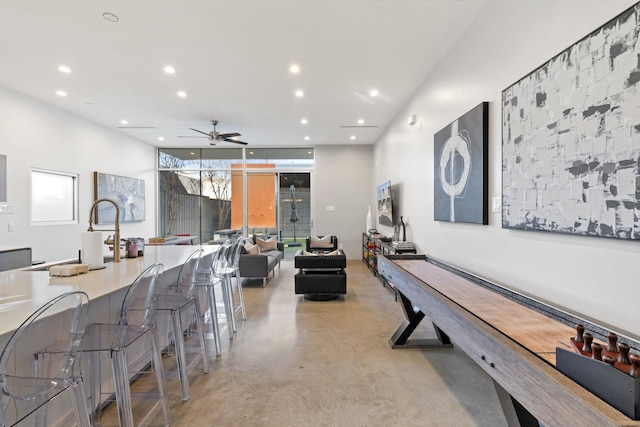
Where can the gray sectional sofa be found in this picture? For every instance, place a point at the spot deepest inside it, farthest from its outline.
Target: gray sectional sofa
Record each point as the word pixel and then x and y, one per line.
pixel 259 266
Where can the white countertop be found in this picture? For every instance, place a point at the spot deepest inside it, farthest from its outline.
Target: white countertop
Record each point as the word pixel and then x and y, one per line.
pixel 22 291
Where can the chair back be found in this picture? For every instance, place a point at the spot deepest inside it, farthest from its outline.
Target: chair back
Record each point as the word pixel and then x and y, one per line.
pixel 234 256
pixel 137 307
pixel 39 357
pixel 187 277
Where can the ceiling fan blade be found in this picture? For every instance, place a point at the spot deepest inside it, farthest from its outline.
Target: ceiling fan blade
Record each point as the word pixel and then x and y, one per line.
pixel 228 135
pixel 199 131
pixel 235 141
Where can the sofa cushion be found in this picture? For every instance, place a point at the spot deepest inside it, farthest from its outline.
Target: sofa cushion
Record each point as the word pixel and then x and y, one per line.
pixel 251 249
pixel 266 245
pixel 321 242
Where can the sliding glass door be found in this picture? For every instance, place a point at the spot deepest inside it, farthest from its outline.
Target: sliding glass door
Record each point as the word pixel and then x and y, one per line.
pixel 219 193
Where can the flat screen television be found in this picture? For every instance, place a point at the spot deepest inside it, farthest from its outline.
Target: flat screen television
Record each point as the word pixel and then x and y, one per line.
pixel 385 204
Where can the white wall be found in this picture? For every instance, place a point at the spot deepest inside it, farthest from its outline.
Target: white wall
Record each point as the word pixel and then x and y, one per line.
pixel 342 180
pixel 33 134
pixel 593 276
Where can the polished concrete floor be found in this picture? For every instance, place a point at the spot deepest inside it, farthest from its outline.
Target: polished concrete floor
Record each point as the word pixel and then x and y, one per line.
pixel 295 362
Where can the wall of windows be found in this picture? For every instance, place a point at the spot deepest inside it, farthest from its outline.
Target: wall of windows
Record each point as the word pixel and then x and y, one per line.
pixel 216 193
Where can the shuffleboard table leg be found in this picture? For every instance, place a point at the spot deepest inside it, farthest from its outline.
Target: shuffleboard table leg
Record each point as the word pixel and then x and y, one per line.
pixel 400 338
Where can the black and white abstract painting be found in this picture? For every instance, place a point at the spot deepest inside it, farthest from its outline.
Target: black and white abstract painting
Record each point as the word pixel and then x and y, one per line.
pixel 460 153
pixel 571 138
pixel 127 193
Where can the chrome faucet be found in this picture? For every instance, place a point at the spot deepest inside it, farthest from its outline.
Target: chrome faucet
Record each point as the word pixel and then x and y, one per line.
pixel 116 234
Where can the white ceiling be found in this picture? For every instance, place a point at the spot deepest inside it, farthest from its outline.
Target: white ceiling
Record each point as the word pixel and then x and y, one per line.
pixel 231 58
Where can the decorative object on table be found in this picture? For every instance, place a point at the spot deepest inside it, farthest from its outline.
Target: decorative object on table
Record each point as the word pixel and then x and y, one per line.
pixel 294 216
pixel 66 270
pixel 461 168
pixel 128 193
pixel 369 221
pixel 570 141
pixel 396 233
pixel 404 229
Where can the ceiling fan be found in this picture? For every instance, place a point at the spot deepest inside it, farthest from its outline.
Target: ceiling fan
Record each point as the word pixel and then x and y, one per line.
pixel 214 136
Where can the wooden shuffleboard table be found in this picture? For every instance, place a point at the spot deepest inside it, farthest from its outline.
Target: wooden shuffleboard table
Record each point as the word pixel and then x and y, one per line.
pixel 513 343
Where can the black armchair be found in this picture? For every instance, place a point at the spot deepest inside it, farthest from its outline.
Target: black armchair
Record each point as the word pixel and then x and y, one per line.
pixel 322 243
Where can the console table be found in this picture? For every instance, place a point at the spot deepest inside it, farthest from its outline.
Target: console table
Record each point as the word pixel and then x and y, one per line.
pixel 514 344
pixel 372 247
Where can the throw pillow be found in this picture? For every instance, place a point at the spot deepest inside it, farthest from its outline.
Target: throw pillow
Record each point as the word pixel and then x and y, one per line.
pixel 252 249
pixel 305 253
pixel 317 242
pixel 266 245
pixel 336 252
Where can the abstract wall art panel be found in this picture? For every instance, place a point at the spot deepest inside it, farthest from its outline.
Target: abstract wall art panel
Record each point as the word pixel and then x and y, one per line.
pixel 571 138
pixel 128 193
pixel 461 168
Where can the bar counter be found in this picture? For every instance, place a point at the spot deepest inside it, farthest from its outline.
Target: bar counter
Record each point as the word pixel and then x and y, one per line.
pixel 23 291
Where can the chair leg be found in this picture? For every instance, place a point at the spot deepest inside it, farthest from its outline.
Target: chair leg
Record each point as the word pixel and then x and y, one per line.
pixel 159 371
pixel 176 320
pixel 203 345
pixel 229 305
pixel 241 298
pixel 123 392
pixel 80 404
pixel 213 309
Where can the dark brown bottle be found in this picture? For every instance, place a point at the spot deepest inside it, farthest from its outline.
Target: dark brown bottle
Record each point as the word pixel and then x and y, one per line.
pixel 588 339
pixel 597 351
pixel 579 333
pixel 608 360
pixel 635 365
pixel 613 343
pixel 623 357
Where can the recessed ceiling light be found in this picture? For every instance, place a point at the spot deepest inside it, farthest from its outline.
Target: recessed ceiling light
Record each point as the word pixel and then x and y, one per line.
pixel 360 121
pixel 304 121
pixel 111 17
pixel 192 153
pixel 61 93
pixel 373 92
pixel 64 69
pixel 169 69
pixel 353 137
pixel 251 152
pixel 161 138
pixel 182 94
pixel 306 138
pixel 299 93
pixel 124 122
pixel 294 69
pixel 309 152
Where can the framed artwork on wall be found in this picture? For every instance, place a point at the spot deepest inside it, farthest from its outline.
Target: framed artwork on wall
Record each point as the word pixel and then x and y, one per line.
pixel 128 193
pixel 571 138
pixel 460 153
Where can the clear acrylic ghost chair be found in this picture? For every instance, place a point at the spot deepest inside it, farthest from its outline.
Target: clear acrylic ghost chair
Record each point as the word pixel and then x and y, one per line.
pixel 133 348
pixel 38 364
pixel 182 306
pixel 230 271
pixel 221 271
pixel 208 283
